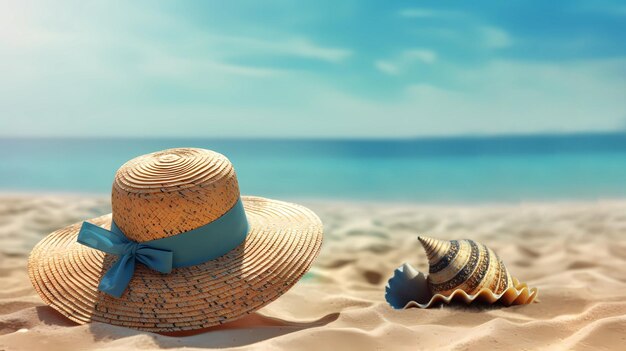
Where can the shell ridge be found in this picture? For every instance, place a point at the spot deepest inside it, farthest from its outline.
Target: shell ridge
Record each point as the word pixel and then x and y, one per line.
pixel 463 274
pixel 477 276
pixel 511 296
pixel 445 260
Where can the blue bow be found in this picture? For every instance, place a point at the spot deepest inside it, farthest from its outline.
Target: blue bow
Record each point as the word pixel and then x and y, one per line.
pixel 114 242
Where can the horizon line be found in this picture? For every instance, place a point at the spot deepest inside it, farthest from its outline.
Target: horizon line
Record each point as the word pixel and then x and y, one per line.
pixel 322 138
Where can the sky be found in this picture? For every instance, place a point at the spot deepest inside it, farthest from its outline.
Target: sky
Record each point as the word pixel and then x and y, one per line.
pixel 311 69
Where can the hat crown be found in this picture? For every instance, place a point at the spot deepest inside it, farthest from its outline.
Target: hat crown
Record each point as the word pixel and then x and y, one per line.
pixel 169 192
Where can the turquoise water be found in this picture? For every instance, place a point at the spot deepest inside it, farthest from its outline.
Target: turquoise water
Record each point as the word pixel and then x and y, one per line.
pixel 423 170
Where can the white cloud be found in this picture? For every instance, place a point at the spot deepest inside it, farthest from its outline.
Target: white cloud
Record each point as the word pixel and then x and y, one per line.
pixel 501 97
pixel 406 59
pixel 238 46
pixel 181 68
pixel 423 55
pixel 60 81
pixel 386 67
pixel 494 37
pixel 305 48
pixel 519 97
pixel 25 27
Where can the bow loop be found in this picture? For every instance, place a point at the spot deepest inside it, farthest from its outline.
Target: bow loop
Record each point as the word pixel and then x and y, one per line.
pixel 117 278
pixel 157 259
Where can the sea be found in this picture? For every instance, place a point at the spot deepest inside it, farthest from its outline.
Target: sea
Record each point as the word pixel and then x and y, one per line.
pixel 475 169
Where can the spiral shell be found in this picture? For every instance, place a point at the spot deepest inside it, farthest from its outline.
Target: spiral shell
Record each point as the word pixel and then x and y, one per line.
pixel 458 269
pixel 465 265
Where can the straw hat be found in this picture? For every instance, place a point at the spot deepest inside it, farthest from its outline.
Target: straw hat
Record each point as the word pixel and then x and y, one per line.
pixel 176 197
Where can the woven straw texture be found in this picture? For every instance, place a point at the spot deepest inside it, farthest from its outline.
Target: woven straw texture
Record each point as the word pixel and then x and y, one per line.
pixel 172 191
pixel 282 242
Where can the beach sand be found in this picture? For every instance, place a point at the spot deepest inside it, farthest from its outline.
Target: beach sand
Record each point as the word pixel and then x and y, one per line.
pixel 574 253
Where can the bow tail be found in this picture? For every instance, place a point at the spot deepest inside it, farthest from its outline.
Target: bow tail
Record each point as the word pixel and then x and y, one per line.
pixel 117 278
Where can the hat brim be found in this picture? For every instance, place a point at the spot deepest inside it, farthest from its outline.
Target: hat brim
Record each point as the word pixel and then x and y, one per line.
pixel 282 242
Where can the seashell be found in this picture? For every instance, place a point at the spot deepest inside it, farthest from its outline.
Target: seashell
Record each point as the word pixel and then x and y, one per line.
pixel 458 270
pixel 405 286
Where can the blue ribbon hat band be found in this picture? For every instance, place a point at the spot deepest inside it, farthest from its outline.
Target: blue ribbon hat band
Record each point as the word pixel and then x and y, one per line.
pixel 190 248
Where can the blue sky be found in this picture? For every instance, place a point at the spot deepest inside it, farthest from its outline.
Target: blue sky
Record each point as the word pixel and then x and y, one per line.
pixel 355 69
